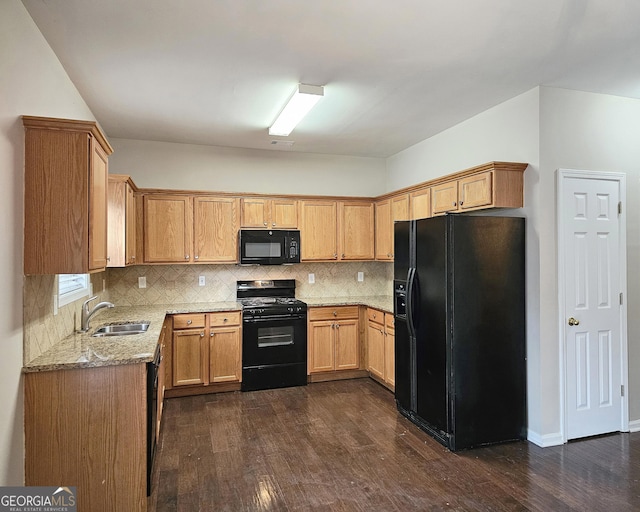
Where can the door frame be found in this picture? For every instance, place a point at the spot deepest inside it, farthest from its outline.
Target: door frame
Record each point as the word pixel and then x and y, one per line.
pixel 620 178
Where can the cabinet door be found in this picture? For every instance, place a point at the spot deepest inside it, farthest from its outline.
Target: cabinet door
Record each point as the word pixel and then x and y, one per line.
pixel 117 235
pixel 98 207
pixel 475 191
pixel 421 204
pixel 284 214
pixel 375 349
pixel 384 229
pixel 347 347
pixel 215 229
pixel 399 208
pixel 224 355
pixel 389 357
pixel 130 226
pixel 321 346
pixel 188 358
pixel 167 228
pixel 255 212
pixel 357 231
pixel 319 230
pixel 445 197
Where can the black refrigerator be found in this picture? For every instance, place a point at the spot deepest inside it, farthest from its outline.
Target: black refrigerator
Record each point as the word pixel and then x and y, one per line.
pixel 459 306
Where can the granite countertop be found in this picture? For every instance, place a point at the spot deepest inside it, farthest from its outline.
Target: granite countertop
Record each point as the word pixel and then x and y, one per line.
pixel 81 350
pixel 382 302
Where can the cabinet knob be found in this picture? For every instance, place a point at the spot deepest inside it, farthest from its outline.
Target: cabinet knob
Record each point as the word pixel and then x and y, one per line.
pixel 133 258
pixel 335 313
pixel 454 203
pixel 265 223
pixel 337 326
pixel 196 257
pixel 461 203
pixel 225 319
pixel 273 224
pixel 186 256
pixel 211 334
pixel 343 255
pixel 189 322
pixel 108 258
pixel 202 334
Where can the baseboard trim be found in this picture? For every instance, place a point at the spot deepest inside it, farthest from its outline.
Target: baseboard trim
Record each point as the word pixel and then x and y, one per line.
pixel 634 426
pixel 545 440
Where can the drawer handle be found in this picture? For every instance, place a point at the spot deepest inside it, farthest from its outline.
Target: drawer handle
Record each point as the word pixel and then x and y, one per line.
pixel 225 320
pixel 189 322
pixel 335 313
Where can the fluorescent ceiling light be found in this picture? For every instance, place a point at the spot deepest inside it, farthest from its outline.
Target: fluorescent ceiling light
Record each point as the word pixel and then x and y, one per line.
pixel 303 100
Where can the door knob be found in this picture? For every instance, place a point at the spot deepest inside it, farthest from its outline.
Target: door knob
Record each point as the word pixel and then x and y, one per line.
pixel 573 321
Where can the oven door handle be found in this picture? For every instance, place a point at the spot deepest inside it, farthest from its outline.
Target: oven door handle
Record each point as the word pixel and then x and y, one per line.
pixel 263 319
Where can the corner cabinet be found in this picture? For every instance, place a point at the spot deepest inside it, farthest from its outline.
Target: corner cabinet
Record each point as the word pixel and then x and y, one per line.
pixel 122 222
pixel 65 196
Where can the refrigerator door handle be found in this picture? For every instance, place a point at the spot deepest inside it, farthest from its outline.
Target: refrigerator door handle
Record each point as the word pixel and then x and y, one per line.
pixel 410 284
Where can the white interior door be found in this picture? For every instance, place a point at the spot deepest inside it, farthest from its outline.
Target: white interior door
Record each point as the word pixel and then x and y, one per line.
pixel 593 263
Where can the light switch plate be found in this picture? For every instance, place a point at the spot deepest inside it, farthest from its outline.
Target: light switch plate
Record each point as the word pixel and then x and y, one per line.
pixel 142 282
pixel 201 281
pixel 312 278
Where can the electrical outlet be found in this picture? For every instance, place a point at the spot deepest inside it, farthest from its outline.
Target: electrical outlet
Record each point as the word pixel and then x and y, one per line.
pixel 201 281
pixel 142 282
pixel 312 278
pixel 360 277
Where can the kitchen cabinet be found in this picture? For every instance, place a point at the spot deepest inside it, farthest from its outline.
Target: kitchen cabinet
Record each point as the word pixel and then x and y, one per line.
pixel 206 349
pixel 381 346
pixel 162 341
pixel 65 196
pixel 384 231
pixel 190 229
pixel 400 208
pixel 333 339
pixel 216 225
pixel 318 230
pixel 356 230
pixel 167 228
pixel 420 201
pixel 258 212
pixel 122 222
pixel 87 427
pixel 496 188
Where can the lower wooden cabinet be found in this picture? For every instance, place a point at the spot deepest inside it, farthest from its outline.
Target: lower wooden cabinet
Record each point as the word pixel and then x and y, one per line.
pixel 381 346
pixel 333 339
pixel 206 350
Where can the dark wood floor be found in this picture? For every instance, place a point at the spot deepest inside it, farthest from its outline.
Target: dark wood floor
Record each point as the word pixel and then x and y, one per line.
pixel 342 446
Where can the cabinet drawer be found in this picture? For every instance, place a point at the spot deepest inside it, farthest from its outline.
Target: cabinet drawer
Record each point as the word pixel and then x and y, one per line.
pixel 224 318
pixel 375 315
pixel 333 313
pixel 189 321
pixel 389 321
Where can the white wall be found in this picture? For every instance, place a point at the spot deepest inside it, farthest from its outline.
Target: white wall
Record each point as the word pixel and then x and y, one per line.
pixel 192 167
pixel 507 132
pixel 32 82
pixel 591 132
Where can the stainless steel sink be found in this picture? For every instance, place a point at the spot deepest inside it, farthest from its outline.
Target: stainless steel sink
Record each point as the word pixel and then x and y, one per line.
pixel 121 329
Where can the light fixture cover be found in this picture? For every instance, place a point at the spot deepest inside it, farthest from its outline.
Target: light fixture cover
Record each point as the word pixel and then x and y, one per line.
pixel 302 101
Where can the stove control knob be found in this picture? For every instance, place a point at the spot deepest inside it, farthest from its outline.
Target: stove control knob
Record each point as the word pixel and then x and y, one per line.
pixel 290 310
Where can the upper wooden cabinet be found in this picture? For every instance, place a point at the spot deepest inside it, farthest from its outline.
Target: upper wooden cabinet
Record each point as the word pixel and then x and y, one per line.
pixel 384 230
pixel 421 203
pixel 122 222
pixel 167 228
pixel 65 195
pixel 400 207
pixel 318 230
pixel 356 230
pixel 258 212
pixel 215 223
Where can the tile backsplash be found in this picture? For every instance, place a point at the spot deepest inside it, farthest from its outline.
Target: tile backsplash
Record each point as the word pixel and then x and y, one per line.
pixel 173 284
pixel 43 329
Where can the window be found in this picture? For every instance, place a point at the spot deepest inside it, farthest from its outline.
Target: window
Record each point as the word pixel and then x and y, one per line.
pixel 72 287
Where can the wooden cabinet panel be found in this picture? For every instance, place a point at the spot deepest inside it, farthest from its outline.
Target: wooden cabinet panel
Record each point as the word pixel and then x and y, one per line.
pixel 263 213
pixel 321 346
pixel 356 231
pixel 319 220
pixel 188 358
pixel 189 321
pixel 400 208
pixel 65 196
pixel 346 345
pixel 167 228
pixel 98 207
pixel 384 231
pixel 389 355
pixel 284 214
pixel 216 227
pixel 475 191
pixel 224 354
pixel 375 349
pixel 444 197
pixel 88 426
pixel 421 204
pixel 255 212
pixel 224 319
pixel 332 313
pixel 122 222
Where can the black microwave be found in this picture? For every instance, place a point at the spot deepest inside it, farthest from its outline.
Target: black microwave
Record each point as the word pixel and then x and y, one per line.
pixel 269 246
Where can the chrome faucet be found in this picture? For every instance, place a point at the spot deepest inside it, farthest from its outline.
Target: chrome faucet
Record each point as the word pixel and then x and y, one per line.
pixel 86 314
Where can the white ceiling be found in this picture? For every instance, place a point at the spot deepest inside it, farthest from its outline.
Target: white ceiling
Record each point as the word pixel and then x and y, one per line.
pixel 217 72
